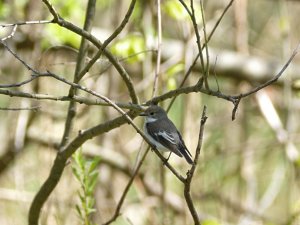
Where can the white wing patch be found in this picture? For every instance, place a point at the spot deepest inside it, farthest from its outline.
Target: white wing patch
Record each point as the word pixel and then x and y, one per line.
pixel 169 137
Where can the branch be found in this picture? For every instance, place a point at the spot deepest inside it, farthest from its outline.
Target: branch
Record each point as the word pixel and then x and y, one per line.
pixel 184 90
pixel 33 108
pixel 60 162
pixel 209 36
pixel 52 10
pixel 159 44
pixel 275 78
pixel 12 33
pixel 109 40
pixel 267 83
pixel 76 98
pixel 90 12
pixel 195 25
pixel 17 57
pixel 68 25
pixel 190 173
pixel 18 84
pixel 187 74
pixel 34 22
pixel 67 151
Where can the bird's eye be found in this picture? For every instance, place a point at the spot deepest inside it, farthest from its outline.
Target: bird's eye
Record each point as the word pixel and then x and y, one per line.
pixel 152 113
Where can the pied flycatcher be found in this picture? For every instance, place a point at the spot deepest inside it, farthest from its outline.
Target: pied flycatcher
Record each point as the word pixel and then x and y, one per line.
pixel 163 134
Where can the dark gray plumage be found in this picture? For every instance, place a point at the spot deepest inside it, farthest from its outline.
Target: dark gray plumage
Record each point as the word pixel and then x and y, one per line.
pixel 163 134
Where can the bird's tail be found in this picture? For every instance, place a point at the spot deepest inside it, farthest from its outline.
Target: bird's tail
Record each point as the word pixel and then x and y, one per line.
pixel 184 151
pixel 187 155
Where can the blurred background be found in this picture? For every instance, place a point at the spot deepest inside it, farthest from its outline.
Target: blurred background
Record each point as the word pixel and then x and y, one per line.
pixel 248 171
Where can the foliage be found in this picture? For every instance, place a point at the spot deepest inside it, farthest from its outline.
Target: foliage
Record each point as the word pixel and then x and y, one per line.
pixel 176 11
pixel 72 10
pixel 86 172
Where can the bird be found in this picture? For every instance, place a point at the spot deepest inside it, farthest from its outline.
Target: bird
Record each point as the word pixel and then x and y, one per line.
pixel 163 134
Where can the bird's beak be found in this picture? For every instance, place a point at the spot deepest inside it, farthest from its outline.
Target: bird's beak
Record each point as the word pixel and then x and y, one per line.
pixel 143 114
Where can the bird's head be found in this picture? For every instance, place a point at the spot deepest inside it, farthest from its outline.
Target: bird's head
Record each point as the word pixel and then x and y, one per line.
pixel 154 112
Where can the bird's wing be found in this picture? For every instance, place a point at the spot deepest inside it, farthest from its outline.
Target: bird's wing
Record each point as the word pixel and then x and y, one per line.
pixel 164 137
pixel 167 136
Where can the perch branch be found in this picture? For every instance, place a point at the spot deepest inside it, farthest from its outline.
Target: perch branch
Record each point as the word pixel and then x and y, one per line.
pixel 190 173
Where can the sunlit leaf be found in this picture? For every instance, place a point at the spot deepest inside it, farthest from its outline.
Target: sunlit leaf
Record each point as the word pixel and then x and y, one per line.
pixel 175 10
pixel 94 164
pixel 78 210
pixel 171 84
pixel 61 36
pixel 129 48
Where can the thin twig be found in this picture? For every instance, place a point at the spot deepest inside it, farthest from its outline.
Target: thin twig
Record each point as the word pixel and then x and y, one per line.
pixel 125 192
pixel 33 108
pixel 158 56
pixel 52 10
pixel 154 93
pixel 26 23
pixel 183 90
pixel 190 173
pixel 209 36
pixel 12 33
pixel 82 54
pixel 218 22
pixel 274 79
pixel 269 82
pixel 195 25
pixel 64 98
pixel 109 40
pixel 18 58
pixel 18 84
pixel 70 26
pixel 205 38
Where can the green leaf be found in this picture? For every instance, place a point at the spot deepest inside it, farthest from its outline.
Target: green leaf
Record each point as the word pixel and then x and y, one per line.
pixel 76 173
pixel 171 84
pixel 90 202
pixel 86 173
pixel 89 210
pixel 92 183
pixel 79 159
pixel 175 10
pixel 92 174
pixel 81 197
pixel 78 210
pixel 5 10
pixel 95 162
pixel 61 36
